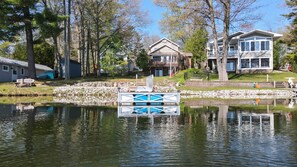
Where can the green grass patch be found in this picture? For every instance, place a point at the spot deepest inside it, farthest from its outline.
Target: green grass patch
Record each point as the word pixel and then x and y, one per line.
pixel 26 99
pixel 7 89
pixel 262 77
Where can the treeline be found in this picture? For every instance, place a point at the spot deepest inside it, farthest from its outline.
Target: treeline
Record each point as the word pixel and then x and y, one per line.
pixel 90 31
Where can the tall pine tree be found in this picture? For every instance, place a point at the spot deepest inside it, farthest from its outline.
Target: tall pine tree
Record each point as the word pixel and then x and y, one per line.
pixel 17 15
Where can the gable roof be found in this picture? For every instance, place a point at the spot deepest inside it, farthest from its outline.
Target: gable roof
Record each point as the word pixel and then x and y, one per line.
pixel 234 35
pixel 242 34
pixel 164 47
pixel 23 64
pixel 272 34
pixel 161 41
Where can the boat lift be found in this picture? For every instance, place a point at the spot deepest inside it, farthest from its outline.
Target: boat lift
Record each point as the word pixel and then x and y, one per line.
pixel 145 102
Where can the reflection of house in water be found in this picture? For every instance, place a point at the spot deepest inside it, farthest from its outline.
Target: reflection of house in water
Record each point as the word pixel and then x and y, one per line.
pixel 24 107
pixel 17 111
pixel 251 118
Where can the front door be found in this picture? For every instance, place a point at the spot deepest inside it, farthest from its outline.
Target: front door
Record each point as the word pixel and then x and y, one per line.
pixel 14 75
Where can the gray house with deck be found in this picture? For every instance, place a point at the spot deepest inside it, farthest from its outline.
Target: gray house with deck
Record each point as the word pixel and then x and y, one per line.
pixel 248 52
pixel 11 70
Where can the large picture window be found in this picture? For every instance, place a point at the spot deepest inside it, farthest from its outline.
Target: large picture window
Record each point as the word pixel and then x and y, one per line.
pixel 255 63
pixel 255 45
pixel 245 63
pixel 265 62
pixel 264 45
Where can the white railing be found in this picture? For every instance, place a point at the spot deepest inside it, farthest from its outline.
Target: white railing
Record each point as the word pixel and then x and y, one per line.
pixel 232 53
pixel 139 97
pixel 134 111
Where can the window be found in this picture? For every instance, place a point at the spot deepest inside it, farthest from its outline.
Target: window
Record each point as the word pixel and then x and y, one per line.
pixel 265 62
pixel 157 58
pixel 267 45
pixel 247 46
pixel 242 44
pixel 245 63
pixel 220 49
pixel 257 47
pixel 264 45
pixel 173 58
pixel 252 46
pixel 255 63
pixel 231 48
pixel 22 71
pixel 5 68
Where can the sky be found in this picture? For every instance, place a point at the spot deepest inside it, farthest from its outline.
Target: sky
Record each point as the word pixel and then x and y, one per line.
pixel 270 12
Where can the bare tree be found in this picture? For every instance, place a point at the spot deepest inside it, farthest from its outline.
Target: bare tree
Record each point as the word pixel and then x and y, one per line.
pixel 220 15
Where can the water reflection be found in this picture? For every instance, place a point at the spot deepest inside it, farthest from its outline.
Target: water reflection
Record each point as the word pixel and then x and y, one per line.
pixel 140 111
pixel 201 135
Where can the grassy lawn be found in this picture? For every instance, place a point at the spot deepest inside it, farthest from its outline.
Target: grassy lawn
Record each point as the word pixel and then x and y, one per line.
pixel 26 99
pixel 274 76
pixel 256 77
pixel 46 87
pixel 11 89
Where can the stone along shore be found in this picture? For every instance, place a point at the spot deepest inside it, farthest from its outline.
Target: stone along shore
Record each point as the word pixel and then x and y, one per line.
pixel 106 92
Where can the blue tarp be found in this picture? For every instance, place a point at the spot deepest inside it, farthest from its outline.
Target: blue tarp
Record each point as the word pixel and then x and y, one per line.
pixel 46 75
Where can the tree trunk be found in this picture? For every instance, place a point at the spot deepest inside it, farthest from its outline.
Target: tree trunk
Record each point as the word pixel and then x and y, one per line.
pixel 67 60
pixel 221 61
pixel 30 47
pixel 83 43
pixel 226 7
pixel 88 50
pixel 98 47
pixel 65 41
pixel 93 59
pixel 215 36
pixel 58 66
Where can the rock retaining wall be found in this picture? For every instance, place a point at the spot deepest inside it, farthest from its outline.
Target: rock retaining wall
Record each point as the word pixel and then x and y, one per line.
pixel 239 94
pixel 207 84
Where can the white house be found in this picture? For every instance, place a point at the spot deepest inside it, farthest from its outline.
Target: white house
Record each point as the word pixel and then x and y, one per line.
pixel 248 51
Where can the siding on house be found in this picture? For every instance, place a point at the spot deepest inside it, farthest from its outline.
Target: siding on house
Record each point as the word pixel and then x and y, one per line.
pixel 166 58
pixel 248 52
pixel 20 68
pixel 74 68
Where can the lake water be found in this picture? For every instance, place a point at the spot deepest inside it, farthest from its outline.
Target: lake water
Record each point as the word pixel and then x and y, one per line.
pixel 205 133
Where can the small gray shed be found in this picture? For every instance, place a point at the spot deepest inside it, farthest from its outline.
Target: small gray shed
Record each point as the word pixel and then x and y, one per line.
pixel 74 68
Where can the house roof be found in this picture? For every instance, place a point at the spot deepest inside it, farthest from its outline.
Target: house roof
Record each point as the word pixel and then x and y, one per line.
pixel 242 34
pixel 23 64
pixel 164 47
pixel 274 35
pixel 187 54
pixel 161 41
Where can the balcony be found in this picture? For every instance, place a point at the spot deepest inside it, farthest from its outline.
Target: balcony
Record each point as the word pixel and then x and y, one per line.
pixel 153 63
pixel 231 53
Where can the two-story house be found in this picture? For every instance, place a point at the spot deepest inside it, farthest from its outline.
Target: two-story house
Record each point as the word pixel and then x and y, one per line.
pixel 247 52
pixel 166 58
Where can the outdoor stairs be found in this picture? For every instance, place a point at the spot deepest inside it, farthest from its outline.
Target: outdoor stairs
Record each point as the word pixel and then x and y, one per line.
pixel 280 85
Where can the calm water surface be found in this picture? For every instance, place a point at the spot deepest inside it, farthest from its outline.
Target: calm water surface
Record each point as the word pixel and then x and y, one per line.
pixel 222 135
